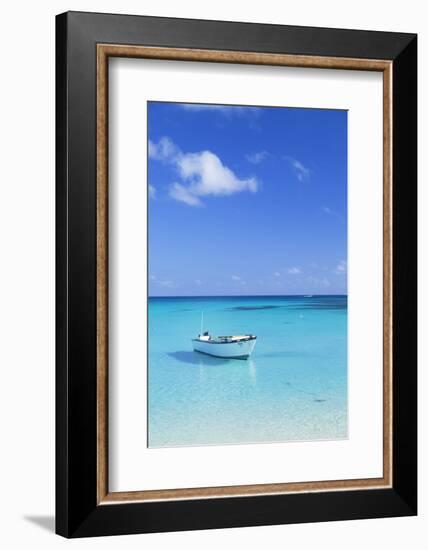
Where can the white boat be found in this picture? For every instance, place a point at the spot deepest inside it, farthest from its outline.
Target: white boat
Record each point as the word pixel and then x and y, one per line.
pixel 228 347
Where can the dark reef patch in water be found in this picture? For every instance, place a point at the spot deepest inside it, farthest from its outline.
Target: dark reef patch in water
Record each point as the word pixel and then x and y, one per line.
pixel 320 400
pixel 319 306
pixel 331 303
pixel 251 308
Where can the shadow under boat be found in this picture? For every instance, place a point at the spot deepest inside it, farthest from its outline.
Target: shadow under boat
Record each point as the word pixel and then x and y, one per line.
pixel 197 358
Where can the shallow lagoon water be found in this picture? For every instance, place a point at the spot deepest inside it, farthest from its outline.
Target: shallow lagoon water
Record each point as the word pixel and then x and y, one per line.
pixel 294 386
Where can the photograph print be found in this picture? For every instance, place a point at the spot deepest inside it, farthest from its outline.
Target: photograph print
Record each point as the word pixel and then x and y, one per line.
pixel 247 274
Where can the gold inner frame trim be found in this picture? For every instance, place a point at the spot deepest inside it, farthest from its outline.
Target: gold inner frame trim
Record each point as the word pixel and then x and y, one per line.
pixel 104 51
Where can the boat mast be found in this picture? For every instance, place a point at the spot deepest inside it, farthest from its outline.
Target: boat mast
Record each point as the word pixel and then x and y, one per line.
pixel 202 322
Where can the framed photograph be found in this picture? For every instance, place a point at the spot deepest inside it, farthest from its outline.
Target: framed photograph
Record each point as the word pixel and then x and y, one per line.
pixel 236 274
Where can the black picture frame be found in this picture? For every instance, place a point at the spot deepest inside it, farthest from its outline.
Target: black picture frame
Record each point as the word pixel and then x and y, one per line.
pixel 77 511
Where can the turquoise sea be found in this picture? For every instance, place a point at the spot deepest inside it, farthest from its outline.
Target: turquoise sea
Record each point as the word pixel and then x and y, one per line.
pixel 294 386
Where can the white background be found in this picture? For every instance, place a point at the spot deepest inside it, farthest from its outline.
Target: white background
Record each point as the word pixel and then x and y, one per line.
pixel 132 465
pixel 27 274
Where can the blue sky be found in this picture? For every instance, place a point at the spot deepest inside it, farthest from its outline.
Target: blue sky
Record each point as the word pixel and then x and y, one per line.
pixel 246 200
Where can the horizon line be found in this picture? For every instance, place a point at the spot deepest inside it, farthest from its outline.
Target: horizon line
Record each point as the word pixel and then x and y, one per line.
pixel 244 295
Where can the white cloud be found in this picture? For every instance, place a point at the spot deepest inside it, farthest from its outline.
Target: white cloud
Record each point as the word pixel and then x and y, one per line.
pixel 207 175
pixel 152 192
pixel 277 274
pixel 294 270
pixel 239 280
pixel 202 174
pixel 256 158
pixel 324 282
pixel 182 194
pixel 327 210
pixel 227 110
pixel 166 283
pixel 165 150
pixel 302 172
pixel 341 268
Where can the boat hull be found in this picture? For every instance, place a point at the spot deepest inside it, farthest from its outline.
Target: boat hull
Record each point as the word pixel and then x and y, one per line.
pixel 229 350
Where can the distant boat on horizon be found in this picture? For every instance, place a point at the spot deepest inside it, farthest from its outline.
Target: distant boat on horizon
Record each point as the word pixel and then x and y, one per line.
pixel 227 347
